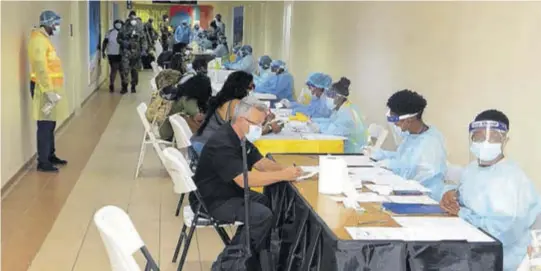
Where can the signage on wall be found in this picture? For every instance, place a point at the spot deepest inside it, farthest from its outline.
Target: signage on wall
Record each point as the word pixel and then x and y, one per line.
pixel 129 4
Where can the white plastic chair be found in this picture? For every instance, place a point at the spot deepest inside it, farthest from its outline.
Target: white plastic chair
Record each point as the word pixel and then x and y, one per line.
pixel 182 131
pixel 379 133
pixel 149 137
pixel 453 174
pixel 121 240
pixel 183 183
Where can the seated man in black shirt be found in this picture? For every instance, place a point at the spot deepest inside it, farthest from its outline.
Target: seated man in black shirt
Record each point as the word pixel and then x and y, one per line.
pixel 219 177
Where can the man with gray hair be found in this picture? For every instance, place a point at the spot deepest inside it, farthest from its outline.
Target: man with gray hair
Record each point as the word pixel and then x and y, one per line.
pixel 219 174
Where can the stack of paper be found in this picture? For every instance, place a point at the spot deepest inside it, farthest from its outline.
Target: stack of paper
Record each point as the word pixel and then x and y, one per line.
pixel 380 189
pixel 362 197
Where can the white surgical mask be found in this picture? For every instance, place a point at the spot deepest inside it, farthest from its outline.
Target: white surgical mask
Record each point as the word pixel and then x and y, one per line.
pixel 330 103
pixel 56 30
pixel 486 151
pixel 133 22
pixel 118 26
pixel 254 133
pixel 402 134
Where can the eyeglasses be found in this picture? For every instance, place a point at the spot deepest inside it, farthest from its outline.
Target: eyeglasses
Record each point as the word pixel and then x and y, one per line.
pixel 253 122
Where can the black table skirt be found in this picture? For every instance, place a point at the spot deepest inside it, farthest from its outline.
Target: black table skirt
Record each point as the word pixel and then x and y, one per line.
pixel 300 240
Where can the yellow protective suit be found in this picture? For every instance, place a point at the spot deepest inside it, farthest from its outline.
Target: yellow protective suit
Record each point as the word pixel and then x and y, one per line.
pixel 46 72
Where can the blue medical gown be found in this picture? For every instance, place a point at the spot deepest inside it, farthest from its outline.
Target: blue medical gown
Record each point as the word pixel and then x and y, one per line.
pixel 420 157
pixel 501 200
pixel 246 64
pixel 263 75
pixel 280 85
pixel 346 122
pixel 317 108
pixel 182 34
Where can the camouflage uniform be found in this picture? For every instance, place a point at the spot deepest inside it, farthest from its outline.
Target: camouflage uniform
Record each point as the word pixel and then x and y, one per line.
pixel 165 35
pixel 151 35
pixel 133 44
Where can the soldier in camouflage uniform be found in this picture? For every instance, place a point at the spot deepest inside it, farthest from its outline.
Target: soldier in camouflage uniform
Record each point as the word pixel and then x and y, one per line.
pixel 133 45
pixel 166 34
pixel 151 34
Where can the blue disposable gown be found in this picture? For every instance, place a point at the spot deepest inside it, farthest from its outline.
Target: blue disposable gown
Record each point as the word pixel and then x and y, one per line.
pixel 246 64
pixel 182 34
pixel 501 200
pixel 317 108
pixel 280 85
pixel 420 157
pixel 262 76
pixel 346 122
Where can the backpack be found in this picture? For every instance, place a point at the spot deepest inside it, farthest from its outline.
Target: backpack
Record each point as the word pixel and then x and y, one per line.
pixel 162 100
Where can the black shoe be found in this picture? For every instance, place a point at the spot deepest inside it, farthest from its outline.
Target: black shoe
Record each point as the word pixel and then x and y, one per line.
pixel 124 89
pixel 57 161
pixel 133 89
pixel 47 167
pixel 111 88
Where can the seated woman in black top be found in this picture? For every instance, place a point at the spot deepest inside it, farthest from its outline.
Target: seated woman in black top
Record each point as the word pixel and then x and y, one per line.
pixel 192 99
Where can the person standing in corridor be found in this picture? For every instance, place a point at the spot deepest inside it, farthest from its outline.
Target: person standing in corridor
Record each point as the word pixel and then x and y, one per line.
pixel 133 46
pixel 111 49
pixel 49 103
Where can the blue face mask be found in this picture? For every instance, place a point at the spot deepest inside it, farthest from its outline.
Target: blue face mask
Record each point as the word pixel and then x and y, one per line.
pixel 254 133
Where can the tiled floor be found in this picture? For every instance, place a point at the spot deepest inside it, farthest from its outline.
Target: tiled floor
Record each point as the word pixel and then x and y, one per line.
pixel 73 242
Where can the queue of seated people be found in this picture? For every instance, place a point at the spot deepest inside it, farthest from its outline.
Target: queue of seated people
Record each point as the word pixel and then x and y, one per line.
pixel 494 194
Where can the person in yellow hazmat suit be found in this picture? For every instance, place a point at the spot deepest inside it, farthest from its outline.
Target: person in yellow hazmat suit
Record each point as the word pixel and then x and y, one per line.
pixel 49 103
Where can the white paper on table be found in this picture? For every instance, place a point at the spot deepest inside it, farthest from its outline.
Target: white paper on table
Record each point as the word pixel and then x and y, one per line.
pixel 412 199
pixel 314 136
pixel 377 233
pixel 410 186
pixel 380 189
pixel 441 228
pixel 388 179
pixel 357 160
pixel 307 175
pixel 367 173
pixel 418 233
pixel 362 197
pixel 369 197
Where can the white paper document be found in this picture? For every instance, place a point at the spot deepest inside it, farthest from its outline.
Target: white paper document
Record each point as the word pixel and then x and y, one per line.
pixel 418 234
pixel 441 228
pixel 361 197
pixel 357 160
pixel 380 189
pixel 412 199
pixel 367 173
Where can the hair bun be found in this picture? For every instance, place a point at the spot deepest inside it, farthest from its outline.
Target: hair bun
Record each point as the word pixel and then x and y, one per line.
pixel 344 82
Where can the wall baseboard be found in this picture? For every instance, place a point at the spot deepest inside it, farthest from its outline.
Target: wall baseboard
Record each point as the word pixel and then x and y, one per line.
pixel 31 163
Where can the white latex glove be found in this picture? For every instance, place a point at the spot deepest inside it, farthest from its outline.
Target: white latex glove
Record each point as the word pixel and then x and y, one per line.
pixel 53 97
pixel 367 151
pixel 313 127
pixel 286 103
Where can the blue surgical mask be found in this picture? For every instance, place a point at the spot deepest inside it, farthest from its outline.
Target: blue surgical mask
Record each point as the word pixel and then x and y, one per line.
pixel 486 151
pixel 314 97
pixel 56 30
pixel 254 133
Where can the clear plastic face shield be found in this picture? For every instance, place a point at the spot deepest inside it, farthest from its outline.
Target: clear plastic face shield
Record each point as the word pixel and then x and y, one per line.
pixel 393 118
pixel 487 139
pixel 488 131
